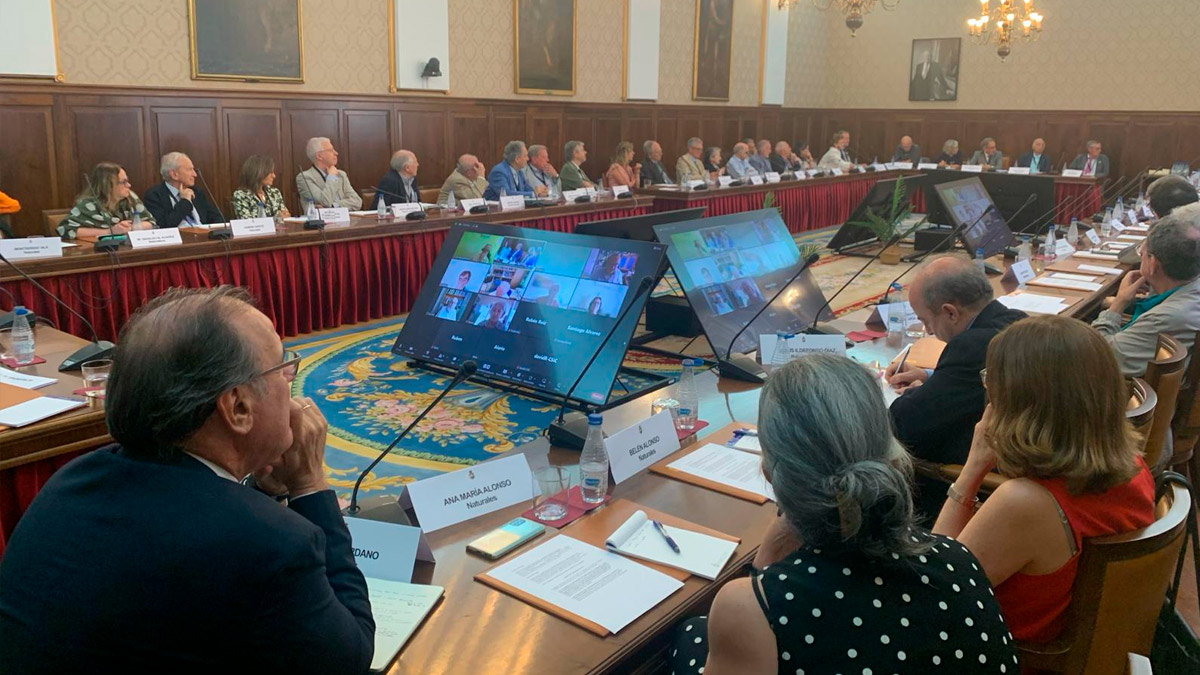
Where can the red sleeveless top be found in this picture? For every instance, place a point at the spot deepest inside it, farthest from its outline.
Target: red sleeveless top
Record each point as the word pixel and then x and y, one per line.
pixel 1035 606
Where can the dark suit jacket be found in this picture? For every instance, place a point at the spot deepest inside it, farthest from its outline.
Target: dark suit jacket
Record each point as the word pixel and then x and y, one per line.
pixel 1080 161
pixel 1043 164
pixel 654 172
pixel 912 155
pixel 127 565
pixel 391 186
pixel 927 88
pixel 937 420
pixel 779 164
pixel 158 202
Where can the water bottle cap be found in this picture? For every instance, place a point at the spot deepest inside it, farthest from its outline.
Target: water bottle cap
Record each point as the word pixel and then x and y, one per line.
pixel 781 334
pixel 595 419
pixel 20 310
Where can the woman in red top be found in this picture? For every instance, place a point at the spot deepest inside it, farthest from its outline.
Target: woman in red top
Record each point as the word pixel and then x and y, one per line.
pixel 1055 426
pixel 620 172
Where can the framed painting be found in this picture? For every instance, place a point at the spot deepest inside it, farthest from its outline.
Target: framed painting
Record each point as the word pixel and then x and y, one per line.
pixel 712 50
pixel 246 40
pixel 933 75
pixel 544 46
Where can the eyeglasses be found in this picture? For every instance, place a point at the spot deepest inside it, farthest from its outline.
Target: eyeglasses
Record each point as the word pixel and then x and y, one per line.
pixel 1141 249
pixel 289 367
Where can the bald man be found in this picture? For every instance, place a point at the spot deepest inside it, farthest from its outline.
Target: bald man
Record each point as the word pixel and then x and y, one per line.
pixel 1036 158
pixel 907 151
pixel 739 165
pixel 399 184
pixel 467 181
pixel 935 415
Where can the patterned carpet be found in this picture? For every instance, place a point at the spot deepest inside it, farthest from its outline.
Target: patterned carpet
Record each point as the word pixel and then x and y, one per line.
pixel 369 395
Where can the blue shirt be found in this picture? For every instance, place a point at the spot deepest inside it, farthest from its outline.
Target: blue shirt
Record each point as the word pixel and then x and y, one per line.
pixel 504 177
pixel 739 168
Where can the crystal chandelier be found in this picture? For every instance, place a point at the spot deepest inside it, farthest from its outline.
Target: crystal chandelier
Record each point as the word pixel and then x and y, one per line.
pixel 1007 21
pixel 853 9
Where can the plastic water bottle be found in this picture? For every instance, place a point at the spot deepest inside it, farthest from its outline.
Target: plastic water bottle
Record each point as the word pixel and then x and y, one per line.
pixel 689 400
pixel 1119 212
pixel 310 210
pixel 503 193
pixel 593 463
pixel 895 332
pixel 1106 224
pixel 1048 249
pixel 137 220
pixel 1073 232
pixel 262 211
pixel 381 208
pixel 1024 254
pixel 22 337
pixel 783 350
pixel 1140 203
pixel 980 261
pixel 451 202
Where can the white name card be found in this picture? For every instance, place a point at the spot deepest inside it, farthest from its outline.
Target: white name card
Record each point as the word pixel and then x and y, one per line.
pixel 1092 237
pixel 387 550
pixel 836 172
pixel 890 166
pixel 812 172
pixel 167 236
pixel 724 181
pixel 1063 248
pixel 756 179
pixel 636 448
pixel 1021 270
pixel 693 184
pixel 927 165
pixel 1019 170
pixel 882 313
pixel 26 249
pixel 442 501
pixel 972 168
pixel 337 215
pixel 469 204
pixel 772 176
pixel 620 189
pixel 1072 173
pixel 403 209
pixel 902 165
pixel 802 344
pixel 252 227
pixel 882 167
pixel 512 203
pixel 1118 226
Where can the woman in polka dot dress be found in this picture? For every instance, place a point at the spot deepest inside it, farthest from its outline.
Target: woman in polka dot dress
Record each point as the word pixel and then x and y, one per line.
pixel 868 592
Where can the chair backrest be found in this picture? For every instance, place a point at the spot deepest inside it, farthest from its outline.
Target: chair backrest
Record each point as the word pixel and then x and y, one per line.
pixel 1187 405
pixel 430 195
pixel 1120 587
pixel 1140 413
pixel 1165 375
pixel 50 220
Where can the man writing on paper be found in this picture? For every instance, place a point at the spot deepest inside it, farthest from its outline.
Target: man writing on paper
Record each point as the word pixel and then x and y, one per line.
pixel 936 415
pixel 150 555
pixel 176 201
pixel 324 184
pixel 466 181
pixel 1161 296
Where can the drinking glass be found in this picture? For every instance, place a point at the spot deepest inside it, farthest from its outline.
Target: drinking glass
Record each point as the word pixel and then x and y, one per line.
pixel 95 376
pixel 554 483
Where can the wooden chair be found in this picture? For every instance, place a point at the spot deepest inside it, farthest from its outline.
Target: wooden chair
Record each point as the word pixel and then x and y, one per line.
pixel 1140 413
pixel 1185 428
pixel 50 220
pixel 1138 665
pixel 1117 596
pixel 1165 375
pixel 430 195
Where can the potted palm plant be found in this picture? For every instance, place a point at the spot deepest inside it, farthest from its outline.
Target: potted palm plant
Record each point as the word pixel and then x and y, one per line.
pixel 888 225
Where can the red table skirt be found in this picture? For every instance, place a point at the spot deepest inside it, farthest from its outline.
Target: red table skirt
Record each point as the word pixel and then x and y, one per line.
pixel 803 206
pixel 1076 200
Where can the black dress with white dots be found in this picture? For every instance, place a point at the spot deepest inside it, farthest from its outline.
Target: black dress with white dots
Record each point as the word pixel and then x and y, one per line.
pixel 840 611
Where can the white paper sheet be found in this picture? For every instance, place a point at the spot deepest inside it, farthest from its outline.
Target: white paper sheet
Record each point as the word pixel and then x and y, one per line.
pixel 701 554
pixel 36 410
pixel 24 381
pixel 398 608
pixel 727 466
pixel 587 581
pixel 1072 284
pixel 1100 269
pixel 1034 302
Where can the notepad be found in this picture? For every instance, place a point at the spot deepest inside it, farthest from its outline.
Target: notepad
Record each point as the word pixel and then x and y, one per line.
pixel 37 410
pixel 1115 271
pixel 701 554
pixel 1034 302
pixel 719 464
pixel 23 380
pixel 1057 281
pixel 398 609
pixel 1096 255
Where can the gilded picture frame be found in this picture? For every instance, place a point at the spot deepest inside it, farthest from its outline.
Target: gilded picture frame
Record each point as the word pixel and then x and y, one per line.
pixel 235 40
pixel 548 65
pixel 712 50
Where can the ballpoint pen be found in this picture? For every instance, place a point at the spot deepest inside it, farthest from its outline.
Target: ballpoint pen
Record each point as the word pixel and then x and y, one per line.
pixel 663 531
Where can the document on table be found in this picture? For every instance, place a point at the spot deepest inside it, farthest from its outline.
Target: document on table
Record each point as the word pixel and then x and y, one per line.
pixel 1034 302
pixel 36 410
pixel 889 393
pixel 1100 269
pixel 701 554
pixel 24 381
pixel 587 581
pixel 398 609
pixel 724 465
pixel 1093 255
pixel 1059 281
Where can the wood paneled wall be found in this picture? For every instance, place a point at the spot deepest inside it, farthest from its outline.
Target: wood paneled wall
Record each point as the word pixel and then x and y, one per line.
pixel 51 134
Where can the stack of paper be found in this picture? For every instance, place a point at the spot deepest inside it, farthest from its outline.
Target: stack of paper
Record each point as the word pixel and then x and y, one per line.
pixel 1098 255
pixel 36 410
pixel 24 381
pixel 1076 282
pixel 1034 303
pixel 724 465
pixel 701 554
pixel 1100 269
pixel 398 609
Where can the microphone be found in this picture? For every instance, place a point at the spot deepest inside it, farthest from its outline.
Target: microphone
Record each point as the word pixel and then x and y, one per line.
pixel 742 367
pixel 411 215
pixel 312 223
pixel 467 369
pixel 99 349
pixel 220 232
pixel 570 430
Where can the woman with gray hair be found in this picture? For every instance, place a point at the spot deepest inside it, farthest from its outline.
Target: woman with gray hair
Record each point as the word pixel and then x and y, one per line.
pixel 845 581
pixel 951 156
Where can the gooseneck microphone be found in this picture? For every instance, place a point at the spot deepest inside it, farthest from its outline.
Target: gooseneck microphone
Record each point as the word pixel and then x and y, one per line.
pixel 312 223
pixel 742 367
pixel 411 215
pixel 98 349
pixel 570 429
pixel 467 369
pixel 220 232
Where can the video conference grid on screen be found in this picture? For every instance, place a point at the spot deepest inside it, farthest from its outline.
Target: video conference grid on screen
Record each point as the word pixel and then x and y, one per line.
pixel 730 265
pixel 529 306
pixel 969 204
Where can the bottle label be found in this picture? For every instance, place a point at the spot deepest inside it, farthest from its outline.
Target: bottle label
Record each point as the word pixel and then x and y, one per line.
pixel 685 411
pixel 591 482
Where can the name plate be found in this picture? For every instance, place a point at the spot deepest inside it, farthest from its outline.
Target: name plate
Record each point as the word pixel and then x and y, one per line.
pixel 1019 170
pixel 469 204
pixel 387 550
pixel 1072 173
pixel 835 172
pixel 252 227
pixel 338 215
pixel 403 209
pixel 802 344
pixel 620 189
pixel 512 203
pixel 756 179
pixel 972 168
pixel 1021 270
pixel 636 448
pixel 571 195
pixel 772 176
pixel 902 165
pixel 724 181
pixel 451 498
pixel 881 167
pixel 1117 226
pixel 890 166
pixel 927 165
pixel 1092 237
pixel 167 236
pixel 28 249
pixel 695 183
pixel 904 310
pixel 1063 248
pixel 812 172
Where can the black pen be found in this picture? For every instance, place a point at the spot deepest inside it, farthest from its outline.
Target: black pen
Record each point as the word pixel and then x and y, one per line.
pixel 663 531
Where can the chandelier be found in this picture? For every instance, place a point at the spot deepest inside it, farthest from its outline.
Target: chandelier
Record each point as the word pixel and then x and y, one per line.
pixel 1009 20
pixel 853 9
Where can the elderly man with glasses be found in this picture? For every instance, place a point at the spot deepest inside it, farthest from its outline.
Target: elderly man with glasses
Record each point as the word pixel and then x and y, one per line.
pixel 153 554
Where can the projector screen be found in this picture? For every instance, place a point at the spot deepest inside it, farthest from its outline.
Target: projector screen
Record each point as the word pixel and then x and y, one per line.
pixel 28 47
